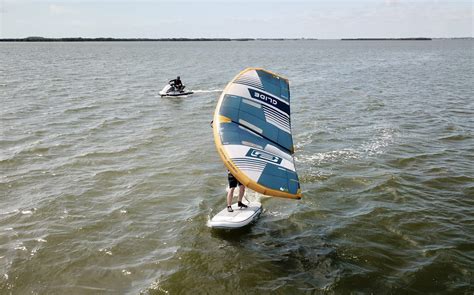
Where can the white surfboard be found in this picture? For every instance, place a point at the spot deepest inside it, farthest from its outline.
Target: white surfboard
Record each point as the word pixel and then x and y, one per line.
pixel 237 219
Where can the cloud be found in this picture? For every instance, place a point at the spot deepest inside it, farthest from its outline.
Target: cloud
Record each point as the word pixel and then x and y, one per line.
pixel 392 2
pixel 58 9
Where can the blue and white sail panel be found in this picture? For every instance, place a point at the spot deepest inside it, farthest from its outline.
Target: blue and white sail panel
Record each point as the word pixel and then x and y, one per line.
pixel 262 112
pixel 252 132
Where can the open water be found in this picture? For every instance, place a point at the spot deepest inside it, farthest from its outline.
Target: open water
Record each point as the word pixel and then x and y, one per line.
pixel 106 187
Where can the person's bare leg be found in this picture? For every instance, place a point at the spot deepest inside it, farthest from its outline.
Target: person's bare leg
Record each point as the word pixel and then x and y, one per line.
pixel 230 194
pixel 241 192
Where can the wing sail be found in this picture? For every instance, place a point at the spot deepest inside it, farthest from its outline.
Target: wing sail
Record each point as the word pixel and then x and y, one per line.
pixel 252 133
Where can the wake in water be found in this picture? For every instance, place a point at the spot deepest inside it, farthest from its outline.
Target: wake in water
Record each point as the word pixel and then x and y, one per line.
pixel 194 92
pixel 189 92
pixel 206 91
pixel 377 145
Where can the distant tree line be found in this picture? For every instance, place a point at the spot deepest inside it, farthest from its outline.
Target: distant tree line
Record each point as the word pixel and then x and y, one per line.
pixel 106 39
pixel 383 39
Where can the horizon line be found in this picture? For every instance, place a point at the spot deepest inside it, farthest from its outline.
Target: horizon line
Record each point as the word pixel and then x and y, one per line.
pixel 85 39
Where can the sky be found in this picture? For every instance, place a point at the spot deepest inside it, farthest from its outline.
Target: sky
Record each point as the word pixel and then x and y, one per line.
pixel 236 18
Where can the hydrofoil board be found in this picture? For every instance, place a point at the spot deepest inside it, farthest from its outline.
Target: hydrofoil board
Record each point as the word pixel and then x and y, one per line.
pixel 237 219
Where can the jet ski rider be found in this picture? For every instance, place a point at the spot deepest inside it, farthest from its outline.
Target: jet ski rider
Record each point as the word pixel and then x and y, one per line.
pixel 177 84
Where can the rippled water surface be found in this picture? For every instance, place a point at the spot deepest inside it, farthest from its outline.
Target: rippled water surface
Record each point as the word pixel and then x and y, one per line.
pixel 106 188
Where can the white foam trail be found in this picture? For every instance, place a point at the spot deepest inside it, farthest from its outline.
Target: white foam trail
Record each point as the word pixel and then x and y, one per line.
pixel 330 156
pixel 207 91
pixel 377 145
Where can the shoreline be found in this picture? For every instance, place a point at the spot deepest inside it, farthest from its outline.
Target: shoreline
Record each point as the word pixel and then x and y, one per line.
pixel 104 39
pixel 388 39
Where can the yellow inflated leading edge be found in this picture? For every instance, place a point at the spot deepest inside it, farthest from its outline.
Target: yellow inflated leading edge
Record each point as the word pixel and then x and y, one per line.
pixel 241 177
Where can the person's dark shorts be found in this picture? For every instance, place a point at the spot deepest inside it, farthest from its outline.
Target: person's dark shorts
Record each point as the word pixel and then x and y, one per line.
pixel 233 182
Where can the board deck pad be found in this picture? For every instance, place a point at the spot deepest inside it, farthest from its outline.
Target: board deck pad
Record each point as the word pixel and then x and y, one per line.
pixel 237 219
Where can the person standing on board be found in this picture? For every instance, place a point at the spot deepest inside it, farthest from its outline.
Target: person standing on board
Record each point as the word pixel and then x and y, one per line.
pixel 233 182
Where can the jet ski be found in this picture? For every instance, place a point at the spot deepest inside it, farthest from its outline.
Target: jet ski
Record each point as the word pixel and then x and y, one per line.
pixel 171 90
